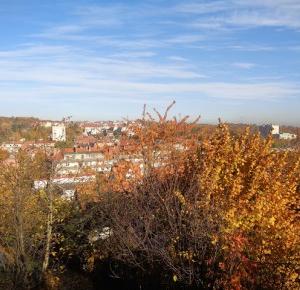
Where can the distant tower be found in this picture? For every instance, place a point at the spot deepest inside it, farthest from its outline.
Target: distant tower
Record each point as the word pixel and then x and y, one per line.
pixel 59 132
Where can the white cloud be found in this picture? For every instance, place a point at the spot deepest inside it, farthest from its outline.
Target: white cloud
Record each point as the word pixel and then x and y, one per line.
pixel 202 8
pixel 134 54
pixel 185 39
pixel 34 51
pixel 252 47
pixel 114 54
pixel 244 13
pixel 59 72
pixel 101 15
pixel 177 58
pixel 126 90
pixel 60 64
pixel 244 65
pixel 294 48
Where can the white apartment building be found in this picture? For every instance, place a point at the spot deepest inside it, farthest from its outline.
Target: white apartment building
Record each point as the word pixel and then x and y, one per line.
pixel 74 162
pixel 275 129
pixel 265 130
pixel 59 132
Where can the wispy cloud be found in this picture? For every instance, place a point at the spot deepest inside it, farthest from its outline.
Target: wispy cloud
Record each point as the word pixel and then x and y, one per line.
pixel 243 14
pixel 134 54
pixel 62 75
pixel 185 39
pixel 244 65
pixel 59 64
pixel 252 47
pixel 151 51
pixel 202 8
pixel 135 41
pixel 34 51
pixel 90 23
pixel 101 15
pixel 177 58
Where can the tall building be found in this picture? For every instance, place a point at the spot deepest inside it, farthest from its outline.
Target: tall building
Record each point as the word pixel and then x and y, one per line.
pixel 265 130
pixel 59 132
pixel 275 129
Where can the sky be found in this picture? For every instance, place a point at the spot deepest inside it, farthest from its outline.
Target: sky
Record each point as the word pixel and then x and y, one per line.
pixel 238 60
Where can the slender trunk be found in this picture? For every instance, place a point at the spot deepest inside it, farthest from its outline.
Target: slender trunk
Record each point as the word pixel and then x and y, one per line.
pixel 49 233
pixel 20 249
pixel 21 265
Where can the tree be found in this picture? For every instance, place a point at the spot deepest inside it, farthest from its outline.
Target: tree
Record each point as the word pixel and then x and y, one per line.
pixel 3 155
pixel 27 217
pixel 219 213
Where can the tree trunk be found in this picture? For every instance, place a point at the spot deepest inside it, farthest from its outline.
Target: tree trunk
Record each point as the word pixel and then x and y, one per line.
pixel 21 265
pixel 49 233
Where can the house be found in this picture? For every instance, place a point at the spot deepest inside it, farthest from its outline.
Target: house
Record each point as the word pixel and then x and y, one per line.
pixel 38 145
pixel 287 136
pixel 92 129
pixel 67 185
pixel 46 124
pixel 86 142
pixel 76 159
pixel 12 147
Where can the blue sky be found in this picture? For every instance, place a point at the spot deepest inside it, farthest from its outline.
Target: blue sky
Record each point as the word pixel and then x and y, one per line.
pixel 234 59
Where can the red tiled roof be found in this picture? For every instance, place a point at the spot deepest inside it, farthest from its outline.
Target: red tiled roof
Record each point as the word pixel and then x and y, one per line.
pixel 86 139
pixel 91 125
pixel 82 150
pixel 58 156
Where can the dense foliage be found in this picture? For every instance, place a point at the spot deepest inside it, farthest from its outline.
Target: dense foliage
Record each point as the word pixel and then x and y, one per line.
pixel 16 128
pixel 207 211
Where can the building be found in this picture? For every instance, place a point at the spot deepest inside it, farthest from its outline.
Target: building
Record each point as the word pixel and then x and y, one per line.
pixel 92 129
pixel 29 146
pixel 59 132
pixel 275 129
pixel 266 130
pixel 66 184
pixel 75 160
pixel 287 136
pixel 85 142
pixel 46 124
pixel 35 146
pixel 12 147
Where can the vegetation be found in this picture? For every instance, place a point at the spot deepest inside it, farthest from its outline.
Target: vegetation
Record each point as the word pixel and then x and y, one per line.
pixel 17 128
pixel 206 211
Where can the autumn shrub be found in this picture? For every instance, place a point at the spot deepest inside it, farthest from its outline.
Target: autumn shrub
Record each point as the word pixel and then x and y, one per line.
pixel 220 213
pixel 197 211
pixel 26 218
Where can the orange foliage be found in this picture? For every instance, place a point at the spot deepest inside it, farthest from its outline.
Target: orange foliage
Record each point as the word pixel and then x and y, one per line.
pixel 226 201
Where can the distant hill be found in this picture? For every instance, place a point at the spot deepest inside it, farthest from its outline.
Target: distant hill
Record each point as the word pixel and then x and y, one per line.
pixel 15 128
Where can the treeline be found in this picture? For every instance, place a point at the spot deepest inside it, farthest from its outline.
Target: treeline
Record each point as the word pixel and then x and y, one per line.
pixel 206 212
pixel 29 129
pixel 16 128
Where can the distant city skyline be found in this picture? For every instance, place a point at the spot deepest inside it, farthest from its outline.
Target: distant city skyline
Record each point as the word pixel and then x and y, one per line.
pixel 97 60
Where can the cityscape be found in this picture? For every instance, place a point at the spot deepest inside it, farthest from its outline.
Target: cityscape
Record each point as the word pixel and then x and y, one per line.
pixel 150 145
pixel 98 148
